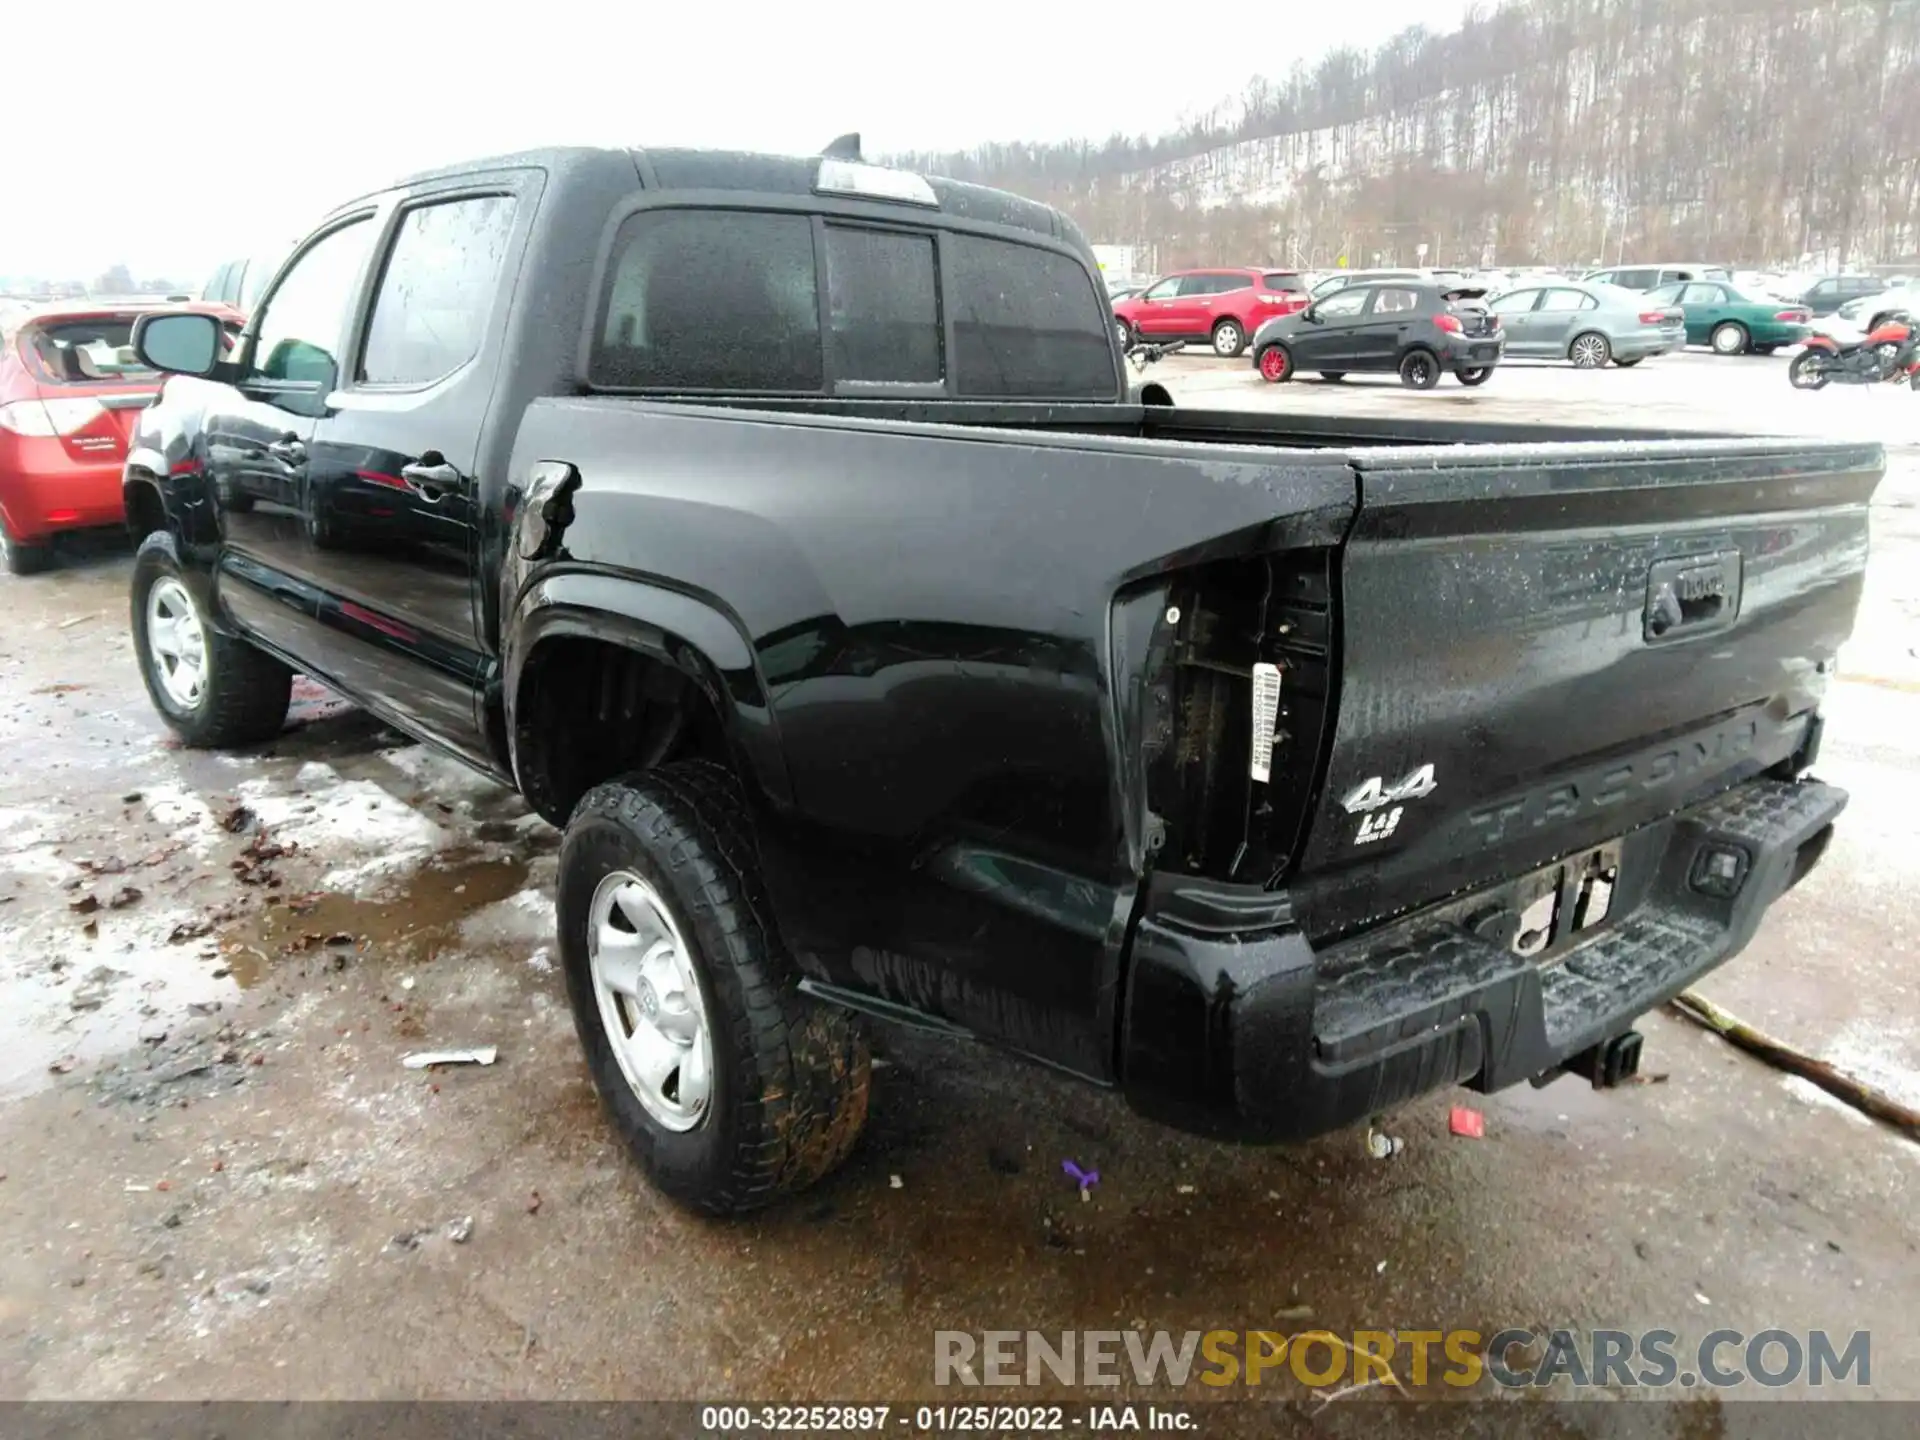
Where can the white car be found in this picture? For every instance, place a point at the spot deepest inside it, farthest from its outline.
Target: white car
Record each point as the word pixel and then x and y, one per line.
pixel 1865 312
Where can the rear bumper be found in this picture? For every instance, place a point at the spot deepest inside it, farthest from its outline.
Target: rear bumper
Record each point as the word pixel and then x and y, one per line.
pixel 1258 1037
pixel 43 490
pixel 1472 352
pixel 1641 347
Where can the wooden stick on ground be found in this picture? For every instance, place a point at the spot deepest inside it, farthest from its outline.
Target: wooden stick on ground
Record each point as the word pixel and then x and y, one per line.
pixel 1857 1093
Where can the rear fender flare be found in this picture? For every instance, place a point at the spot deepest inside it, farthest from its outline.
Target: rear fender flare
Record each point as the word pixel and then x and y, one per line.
pixel 690 634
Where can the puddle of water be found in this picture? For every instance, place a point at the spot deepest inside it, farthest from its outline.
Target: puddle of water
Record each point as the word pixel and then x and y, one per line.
pixel 407 928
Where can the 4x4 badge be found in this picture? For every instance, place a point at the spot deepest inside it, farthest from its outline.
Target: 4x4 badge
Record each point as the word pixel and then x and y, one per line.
pixel 1372 793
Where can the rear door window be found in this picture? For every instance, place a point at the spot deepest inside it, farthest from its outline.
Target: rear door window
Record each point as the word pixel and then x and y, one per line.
pixel 711 300
pixel 1518 303
pixel 1394 300
pixel 1027 322
pixel 884 306
pixel 1562 300
pixel 1228 284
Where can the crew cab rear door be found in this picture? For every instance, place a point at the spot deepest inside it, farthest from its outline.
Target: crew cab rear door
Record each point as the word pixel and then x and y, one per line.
pixel 1545 647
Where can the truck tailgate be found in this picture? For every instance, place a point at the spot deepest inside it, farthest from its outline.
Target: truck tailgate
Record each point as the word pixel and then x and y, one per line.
pixel 1541 649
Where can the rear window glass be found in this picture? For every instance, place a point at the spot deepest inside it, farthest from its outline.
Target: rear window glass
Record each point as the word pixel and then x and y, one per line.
pixel 884 306
pixel 79 352
pixel 710 300
pixel 1293 283
pixel 1027 322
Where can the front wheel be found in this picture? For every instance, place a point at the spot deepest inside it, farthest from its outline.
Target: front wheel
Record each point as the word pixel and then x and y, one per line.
pixel 1628 364
pixel 1808 371
pixel 1729 339
pixel 1590 351
pixel 1228 339
pixel 730 1087
pixel 1276 364
pixel 1335 376
pixel 1123 332
pixel 1419 370
pixel 1474 375
pixel 213 690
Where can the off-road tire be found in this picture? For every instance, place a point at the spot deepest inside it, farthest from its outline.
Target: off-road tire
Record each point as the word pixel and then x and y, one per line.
pixel 247 690
pixel 790 1074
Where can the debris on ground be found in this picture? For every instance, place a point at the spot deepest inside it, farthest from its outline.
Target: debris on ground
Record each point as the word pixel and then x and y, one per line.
pixel 235 820
pixel 1294 1312
pixel 408 1240
pixel 85 905
pixel 533 1203
pixel 123 897
pixel 894 1182
pixel 64 1064
pixel 68 624
pixel 1382 1146
pixel 188 930
pixel 1467 1122
pixel 1086 1179
pixel 1857 1093
pixel 477 1055
pixel 461 1230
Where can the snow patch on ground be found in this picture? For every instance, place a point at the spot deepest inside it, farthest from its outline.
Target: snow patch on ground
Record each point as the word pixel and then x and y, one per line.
pixel 371 836
pixel 1879 1056
pixel 441 775
pixel 27 838
pixel 1808 1093
pixel 526 918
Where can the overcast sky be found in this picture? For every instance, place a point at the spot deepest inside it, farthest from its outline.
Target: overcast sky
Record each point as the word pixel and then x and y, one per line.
pixel 186 131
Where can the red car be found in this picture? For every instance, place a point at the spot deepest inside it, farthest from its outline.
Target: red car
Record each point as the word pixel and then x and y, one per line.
pixel 69 391
pixel 1221 307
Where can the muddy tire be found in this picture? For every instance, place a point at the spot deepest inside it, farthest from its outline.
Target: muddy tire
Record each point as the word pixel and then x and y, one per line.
pixel 213 690
pixel 767 1092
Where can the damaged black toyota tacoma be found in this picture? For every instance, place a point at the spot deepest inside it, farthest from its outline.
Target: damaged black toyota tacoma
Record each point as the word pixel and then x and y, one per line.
pixel 789 532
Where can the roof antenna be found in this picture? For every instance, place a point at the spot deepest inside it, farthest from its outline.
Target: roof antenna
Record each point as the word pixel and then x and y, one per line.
pixel 847 147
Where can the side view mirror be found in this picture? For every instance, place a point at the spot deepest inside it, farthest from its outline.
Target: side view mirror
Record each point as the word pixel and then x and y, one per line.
pixel 1311 314
pixel 178 344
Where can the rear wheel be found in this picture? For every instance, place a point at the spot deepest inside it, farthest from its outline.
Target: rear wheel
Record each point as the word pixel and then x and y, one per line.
pixel 1729 339
pixel 730 1087
pixel 1228 339
pixel 1276 364
pixel 1472 376
pixel 1590 351
pixel 1808 371
pixel 213 690
pixel 1628 364
pixel 1334 375
pixel 23 559
pixel 1419 370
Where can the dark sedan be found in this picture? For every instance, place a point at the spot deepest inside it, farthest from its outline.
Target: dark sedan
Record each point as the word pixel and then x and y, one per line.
pixel 1416 329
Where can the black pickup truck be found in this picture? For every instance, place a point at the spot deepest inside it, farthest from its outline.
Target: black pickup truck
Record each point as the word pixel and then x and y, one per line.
pixel 789 531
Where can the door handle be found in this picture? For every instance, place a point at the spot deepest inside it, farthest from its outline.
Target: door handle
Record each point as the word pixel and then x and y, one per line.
pixel 289 449
pixel 430 477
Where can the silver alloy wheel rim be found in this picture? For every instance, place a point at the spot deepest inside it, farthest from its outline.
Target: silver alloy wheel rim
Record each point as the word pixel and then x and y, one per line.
pixel 1120 331
pixel 651 1009
pixel 1727 340
pixel 1588 351
pixel 176 643
pixel 1226 339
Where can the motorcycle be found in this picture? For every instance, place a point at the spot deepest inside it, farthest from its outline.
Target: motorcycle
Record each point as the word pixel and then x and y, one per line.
pixel 1143 354
pixel 1890 354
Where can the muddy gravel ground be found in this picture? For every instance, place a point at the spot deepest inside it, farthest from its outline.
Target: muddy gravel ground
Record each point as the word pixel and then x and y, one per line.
pixel 219 1180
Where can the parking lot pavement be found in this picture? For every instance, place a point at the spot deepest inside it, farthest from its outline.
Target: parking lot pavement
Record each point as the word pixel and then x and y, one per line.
pixel 219 1180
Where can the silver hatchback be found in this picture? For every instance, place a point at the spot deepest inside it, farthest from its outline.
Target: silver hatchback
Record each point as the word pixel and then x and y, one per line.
pixel 1588 323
